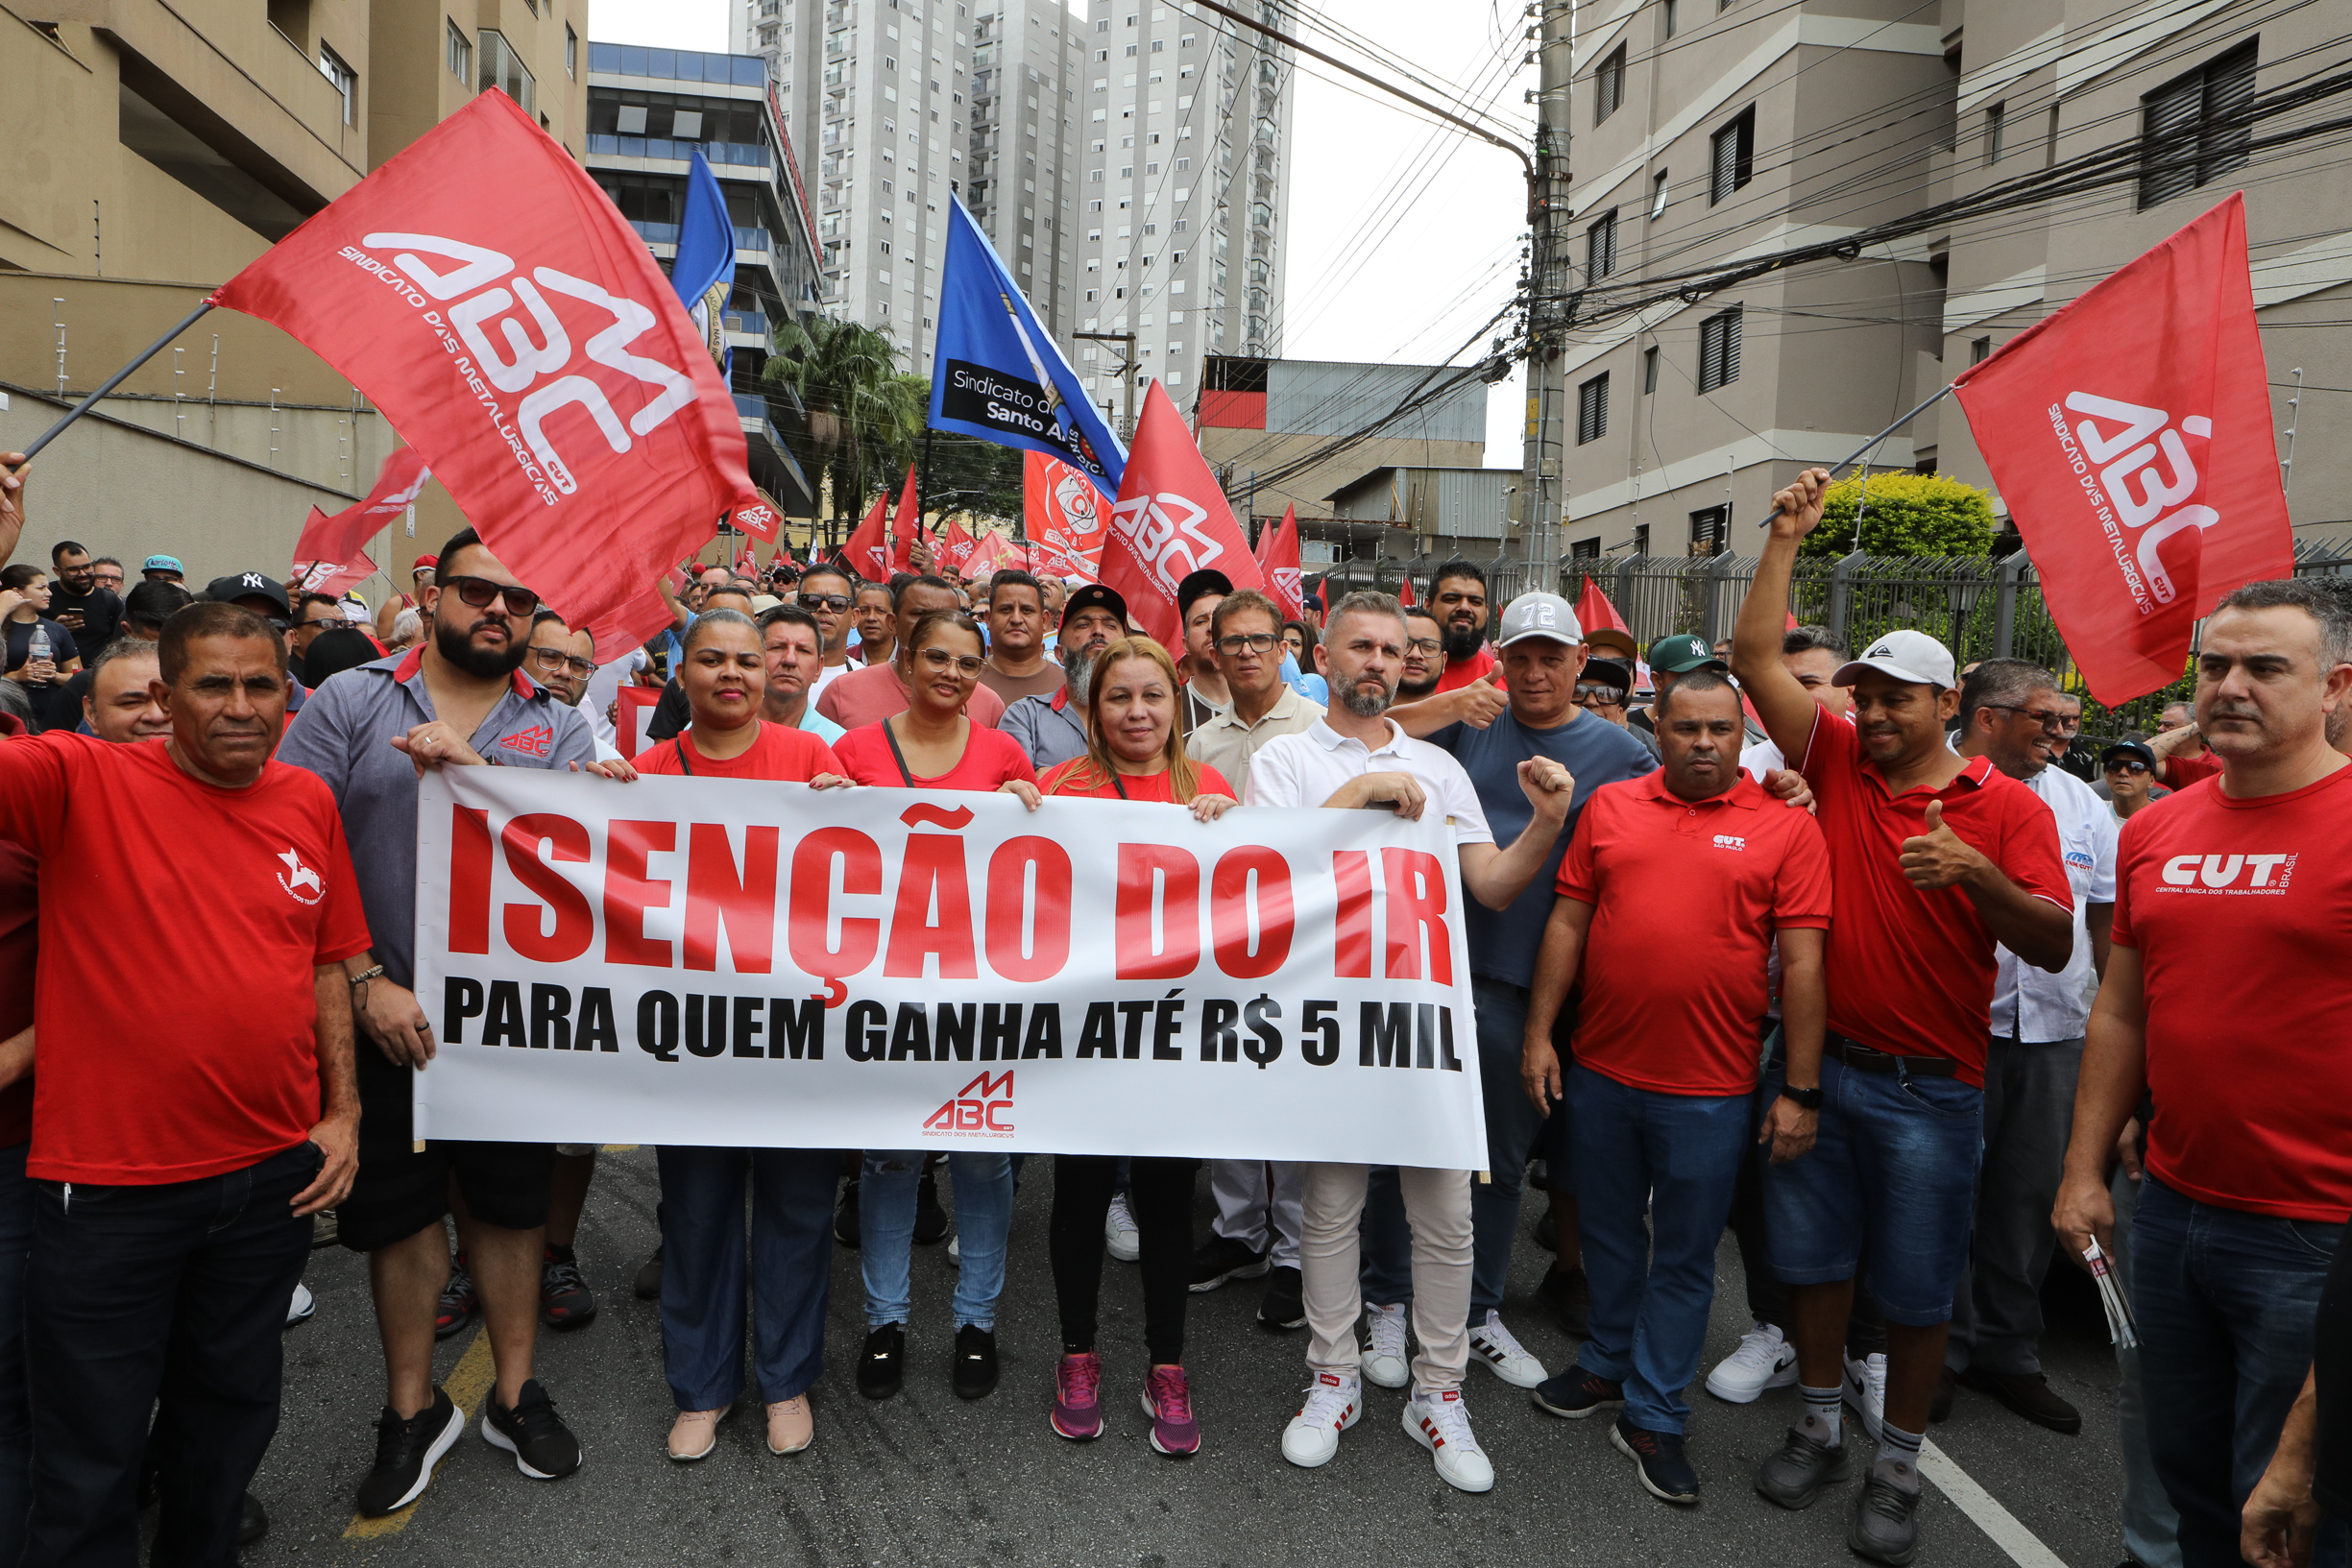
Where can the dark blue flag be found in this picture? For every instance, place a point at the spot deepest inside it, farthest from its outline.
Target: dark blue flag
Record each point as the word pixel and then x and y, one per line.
pixel 704 270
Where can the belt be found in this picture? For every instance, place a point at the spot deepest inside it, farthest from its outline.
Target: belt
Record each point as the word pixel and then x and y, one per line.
pixel 1864 1058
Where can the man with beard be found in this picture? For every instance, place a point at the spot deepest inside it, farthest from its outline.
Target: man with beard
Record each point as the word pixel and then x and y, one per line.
pixel 875 607
pixel 1424 646
pixel 1458 593
pixel 459 698
pixel 1053 730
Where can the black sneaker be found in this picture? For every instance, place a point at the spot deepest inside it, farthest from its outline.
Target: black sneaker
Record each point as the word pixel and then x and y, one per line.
pixel 929 1219
pixel 252 1522
pixel 1885 1526
pixel 543 1447
pixel 564 1300
pixel 1571 1295
pixel 1220 1258
pixel 1548 1232
pixel 1665 1474
pixel 1283 1305
pixel 459 1304
pixel 648 1282
pixel 882 1367
pixel 405 1454
pixel 1577 1393
pixel 845 1214
pixel 974 1375
pixel 1794 1477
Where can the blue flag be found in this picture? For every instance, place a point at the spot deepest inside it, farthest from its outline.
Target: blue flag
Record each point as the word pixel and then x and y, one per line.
pixel 996 373
pixel 704 270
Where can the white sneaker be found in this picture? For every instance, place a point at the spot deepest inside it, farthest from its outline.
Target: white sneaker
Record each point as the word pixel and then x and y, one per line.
pixel 302 1306
pixel 955 1251
pixel 1505 1357
pixel 1866 1391
pixel 1334 1404
pixel 1441 1423
pixel 1764 1360
pixel 1386 1359
pixel 1120 1236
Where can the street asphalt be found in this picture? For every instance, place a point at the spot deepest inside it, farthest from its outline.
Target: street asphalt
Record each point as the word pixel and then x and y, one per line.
pixel 928 1479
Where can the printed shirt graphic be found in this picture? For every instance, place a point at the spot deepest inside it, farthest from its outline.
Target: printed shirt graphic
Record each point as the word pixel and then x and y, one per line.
pixel 2242 912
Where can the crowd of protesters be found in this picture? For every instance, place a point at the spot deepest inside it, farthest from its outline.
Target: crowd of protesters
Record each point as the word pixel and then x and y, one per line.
pixel 1954 993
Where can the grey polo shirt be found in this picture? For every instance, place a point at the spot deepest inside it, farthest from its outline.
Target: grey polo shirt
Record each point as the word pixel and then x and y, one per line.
pixel 1049 730
pixel 344 734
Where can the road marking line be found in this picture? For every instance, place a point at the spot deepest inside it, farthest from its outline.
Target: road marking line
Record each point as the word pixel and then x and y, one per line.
pixel 467 1385
pixel 2024 1546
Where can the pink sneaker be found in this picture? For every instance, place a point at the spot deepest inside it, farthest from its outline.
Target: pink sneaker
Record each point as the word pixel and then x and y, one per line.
pixel 1166 1398
pixel 1077 1413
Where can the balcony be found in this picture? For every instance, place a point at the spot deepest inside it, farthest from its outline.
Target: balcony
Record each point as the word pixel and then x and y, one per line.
pixel 677 64
pixel 747 237
pixel 726 153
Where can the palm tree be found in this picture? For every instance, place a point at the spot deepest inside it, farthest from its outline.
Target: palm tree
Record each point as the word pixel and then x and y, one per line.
pixel 846 376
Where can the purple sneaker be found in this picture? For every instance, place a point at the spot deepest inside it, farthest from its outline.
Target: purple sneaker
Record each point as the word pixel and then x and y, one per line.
pixel 1166 1398
pixel 1078 1412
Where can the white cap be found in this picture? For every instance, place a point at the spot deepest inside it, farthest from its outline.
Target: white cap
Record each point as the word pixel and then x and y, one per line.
pixel 1540 615
pixel 1914 657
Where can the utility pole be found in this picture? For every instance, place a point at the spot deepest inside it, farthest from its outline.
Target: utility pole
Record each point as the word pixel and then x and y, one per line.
pixel 1127 373
pixel 1549 308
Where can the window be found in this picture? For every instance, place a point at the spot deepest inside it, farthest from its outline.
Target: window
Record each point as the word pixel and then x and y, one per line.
pixel 1592 409
pixel 1601 248
pixel 1657 194
pixel 1994 115
pixel 1131 51
pixel 1649 370
pixel 1641 539
pixel 2198 128
pixel 345 81
pixel 1585 549
pixel 571 49
pixel 460 54
pixel 1733 163
pixel 1980 350
pixel 1608 86
pixel 1719 350
pixel 1706 530
pixel 1672 8
pixel 503 69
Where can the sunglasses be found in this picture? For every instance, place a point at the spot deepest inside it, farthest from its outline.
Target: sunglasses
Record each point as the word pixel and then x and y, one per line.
pixel 482 593
pixel 2123 764
pixel 1609 694
pixel 2052 721
pixel 824 601
pixel 968 665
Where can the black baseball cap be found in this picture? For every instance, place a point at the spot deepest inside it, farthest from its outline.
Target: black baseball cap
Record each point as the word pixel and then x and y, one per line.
pixel 1200 585
pixel 1609 672
pixel 2132 749
pixel 250 585
pixel 1094 596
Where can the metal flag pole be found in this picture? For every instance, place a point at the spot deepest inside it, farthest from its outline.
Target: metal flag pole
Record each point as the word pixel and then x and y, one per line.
pixel 116 380
pixel 1870 445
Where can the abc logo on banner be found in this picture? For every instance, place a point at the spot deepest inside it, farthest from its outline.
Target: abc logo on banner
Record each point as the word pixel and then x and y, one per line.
pixel 1170 520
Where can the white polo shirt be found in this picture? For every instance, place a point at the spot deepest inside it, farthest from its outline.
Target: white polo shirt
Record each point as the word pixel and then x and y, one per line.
pixel 1308 768
pixel 2032 1005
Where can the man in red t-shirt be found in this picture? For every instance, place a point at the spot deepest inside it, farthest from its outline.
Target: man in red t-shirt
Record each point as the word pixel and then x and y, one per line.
pixel 2225 1002
pixel 1936 860
pixel 1458 596
pixel 1696 859
pixel 179 1166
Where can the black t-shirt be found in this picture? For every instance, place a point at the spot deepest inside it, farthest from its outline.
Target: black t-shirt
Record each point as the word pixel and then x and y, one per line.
pixel 670 716
pixel 101 617
pixel 2332 1364
pixel 61 648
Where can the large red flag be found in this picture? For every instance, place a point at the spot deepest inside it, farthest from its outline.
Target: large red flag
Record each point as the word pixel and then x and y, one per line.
pixel 1277 558
pixel 905 528
pixel 1170 520
pixel 1064 513
pixel 1594 610
pixel 332 577
pixel 868 550
pixel 956 547
pixel 516 331
pixel 2130 436
pixel 335 541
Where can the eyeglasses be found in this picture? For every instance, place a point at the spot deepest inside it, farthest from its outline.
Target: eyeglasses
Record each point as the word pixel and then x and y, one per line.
pixel 324 620
pixel 2125 764
pixel 1424 644
pixel 824 601
pixel 968 665
pixel 552 659
pixel 1254 641
pixel 2053 721
pixel 482 593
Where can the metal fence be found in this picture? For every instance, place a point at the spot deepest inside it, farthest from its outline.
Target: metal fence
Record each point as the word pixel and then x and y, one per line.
pixel 1978 606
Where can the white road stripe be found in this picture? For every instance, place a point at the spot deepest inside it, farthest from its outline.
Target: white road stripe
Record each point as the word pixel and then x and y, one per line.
pixel 2024 1546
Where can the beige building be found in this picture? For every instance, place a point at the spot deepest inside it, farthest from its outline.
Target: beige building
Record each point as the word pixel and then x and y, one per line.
pixel 158 148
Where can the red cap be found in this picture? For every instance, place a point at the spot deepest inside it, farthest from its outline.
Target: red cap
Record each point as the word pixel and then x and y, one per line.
pixel 422 561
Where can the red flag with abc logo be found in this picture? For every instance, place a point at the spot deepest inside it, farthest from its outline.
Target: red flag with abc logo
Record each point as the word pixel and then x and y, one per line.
pixel 1063 510
pixel 2130 435
pixel 1169 522
pixel 515 329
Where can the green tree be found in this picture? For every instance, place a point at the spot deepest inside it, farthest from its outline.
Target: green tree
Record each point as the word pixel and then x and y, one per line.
pixel 861 413
pixel 1904 515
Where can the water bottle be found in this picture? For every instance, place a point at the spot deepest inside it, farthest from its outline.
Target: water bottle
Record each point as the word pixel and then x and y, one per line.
pixel 37 649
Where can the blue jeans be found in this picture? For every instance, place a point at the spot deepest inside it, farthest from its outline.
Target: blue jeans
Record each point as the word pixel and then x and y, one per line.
pixel 2227 1303
pixel 1679 1155
pixel 16 1408
pixel 2151 1528
pixel 1894 1167
pixel 705 1261
pixel 886 1226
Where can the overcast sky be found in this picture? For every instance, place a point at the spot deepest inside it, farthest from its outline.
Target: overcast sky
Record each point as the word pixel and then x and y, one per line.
pixel 1404 232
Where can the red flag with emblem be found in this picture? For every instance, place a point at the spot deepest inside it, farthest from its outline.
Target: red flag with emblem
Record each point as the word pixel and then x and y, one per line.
pixel 1063 510
pixel 332 577
pixel 514 329
pixel 2130 436
pixel 868 550
pixel 1170 520
pixel 1277 560
pixel 905 528
pixel 956 547
pixel 335 541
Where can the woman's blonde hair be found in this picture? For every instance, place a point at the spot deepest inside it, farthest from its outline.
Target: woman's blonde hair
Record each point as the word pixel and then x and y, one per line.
pixel 1098 768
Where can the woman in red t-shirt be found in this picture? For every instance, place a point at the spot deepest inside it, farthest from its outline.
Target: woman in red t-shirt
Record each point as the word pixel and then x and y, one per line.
pixel 706 1255
pixel 1133 752
pixel 932 746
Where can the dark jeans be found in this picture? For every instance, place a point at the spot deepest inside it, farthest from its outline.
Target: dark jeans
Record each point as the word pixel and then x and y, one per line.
pixel 2028 1115
pixel 169 1299
pixel 1160 1193
pixel 706 1260
pixel 1767 1296
pixel 2227 1305
pixel 16 1409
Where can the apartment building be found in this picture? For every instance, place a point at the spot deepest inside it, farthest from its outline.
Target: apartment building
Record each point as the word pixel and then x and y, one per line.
pixel 156 150
pixel 1025 173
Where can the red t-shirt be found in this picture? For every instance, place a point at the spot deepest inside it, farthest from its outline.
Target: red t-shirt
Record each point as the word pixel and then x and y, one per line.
pixel 175 1007
pixel 2242 912
pixel 990 758
pixel 1071 779
pixel 871 695
pixel 780 755
pixel 1911 973
pixel 2180 772
pixel 1686 896
pixel 1460 672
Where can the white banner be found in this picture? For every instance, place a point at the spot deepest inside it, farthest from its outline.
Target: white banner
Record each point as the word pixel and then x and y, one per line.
pixel 737 963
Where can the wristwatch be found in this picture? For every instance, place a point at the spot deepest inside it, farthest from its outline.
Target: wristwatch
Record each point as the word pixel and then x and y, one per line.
pixel 1808 1100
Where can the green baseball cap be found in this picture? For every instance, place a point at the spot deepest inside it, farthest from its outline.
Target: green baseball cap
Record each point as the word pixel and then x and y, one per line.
pixel 1683 652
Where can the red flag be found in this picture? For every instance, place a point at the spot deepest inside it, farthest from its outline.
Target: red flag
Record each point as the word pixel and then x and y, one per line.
pixel 747 562
pixel 1594 610
pixel 334 541
pixel 1404 593
pixel 332 577
pixel 907 528
pixel 1169 522
pixel 956 547
pixel 989 554
pixel 1064 513
pixel 2130 436
pixel 1278 563
pixel 516 331
pixel 868 552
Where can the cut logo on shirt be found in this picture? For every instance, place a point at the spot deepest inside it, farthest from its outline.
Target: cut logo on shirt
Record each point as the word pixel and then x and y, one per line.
pixel 1730 841
pixel 297 876
pixel 2242 874
pixel 532 742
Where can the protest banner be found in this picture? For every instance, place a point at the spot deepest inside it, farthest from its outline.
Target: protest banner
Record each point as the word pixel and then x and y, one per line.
pixel 704 961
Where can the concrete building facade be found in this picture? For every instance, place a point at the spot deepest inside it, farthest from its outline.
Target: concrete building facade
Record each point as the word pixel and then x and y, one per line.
pixel 1024 171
